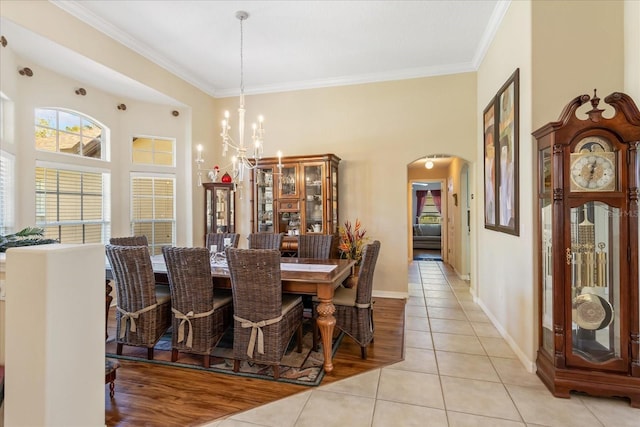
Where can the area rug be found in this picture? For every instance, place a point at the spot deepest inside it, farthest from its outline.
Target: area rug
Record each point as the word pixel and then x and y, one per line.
pixel 304 368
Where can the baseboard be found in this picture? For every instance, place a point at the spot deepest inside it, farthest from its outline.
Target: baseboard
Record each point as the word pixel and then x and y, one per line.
pixel 394 295
pixel 528 364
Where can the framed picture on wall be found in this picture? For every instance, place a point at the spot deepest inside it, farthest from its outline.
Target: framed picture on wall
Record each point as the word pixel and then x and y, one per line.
pixel 489 167
pixel 501 147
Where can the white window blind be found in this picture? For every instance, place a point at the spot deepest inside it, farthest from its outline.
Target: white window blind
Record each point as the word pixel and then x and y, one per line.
pixel 153 210
pixel 7 198
pixel 72 205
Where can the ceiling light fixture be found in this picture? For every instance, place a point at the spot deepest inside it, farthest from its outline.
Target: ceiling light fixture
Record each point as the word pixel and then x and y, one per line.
pixel 428 164
pixel 240 161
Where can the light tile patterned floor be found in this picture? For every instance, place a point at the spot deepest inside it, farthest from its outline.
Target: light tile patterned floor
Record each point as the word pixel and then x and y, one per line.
pixel 457 372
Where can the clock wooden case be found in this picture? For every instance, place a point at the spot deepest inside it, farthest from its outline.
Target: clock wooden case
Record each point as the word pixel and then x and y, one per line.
pixel 588 177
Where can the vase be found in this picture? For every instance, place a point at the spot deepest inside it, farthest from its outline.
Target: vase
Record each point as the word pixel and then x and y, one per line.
pixel 352 280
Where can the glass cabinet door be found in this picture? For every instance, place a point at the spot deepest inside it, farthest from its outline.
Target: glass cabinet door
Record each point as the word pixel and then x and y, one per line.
pixel 314 214
pixel 334 200
pixel 224 209
pixel 594 259
pixel 264 200
pixel 220 208
pixel 288 181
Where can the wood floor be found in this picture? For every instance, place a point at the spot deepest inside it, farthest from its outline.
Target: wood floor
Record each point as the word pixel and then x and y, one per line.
pixel 155 395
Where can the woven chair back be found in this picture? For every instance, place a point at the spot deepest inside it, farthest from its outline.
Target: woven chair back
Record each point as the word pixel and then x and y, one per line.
pixel 315 246
pixel 367 268
pixel 218 240
pixel 189 272
pixel 265 240
pixel 133 275
pixel 129 241
pixel 255 283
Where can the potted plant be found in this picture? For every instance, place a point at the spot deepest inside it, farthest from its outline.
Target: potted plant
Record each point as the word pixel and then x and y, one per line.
pixel 29 236
pixel 352 242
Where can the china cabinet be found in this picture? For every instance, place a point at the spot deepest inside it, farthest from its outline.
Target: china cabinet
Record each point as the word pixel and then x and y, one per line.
pixel 220 210
pixel 296 195
pixel 588 176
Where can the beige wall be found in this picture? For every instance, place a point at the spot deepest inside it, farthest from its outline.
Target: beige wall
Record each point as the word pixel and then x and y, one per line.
pixel 563 49
pixel 577 46
pixel 504 283
pixel 377 130
pixel 632 49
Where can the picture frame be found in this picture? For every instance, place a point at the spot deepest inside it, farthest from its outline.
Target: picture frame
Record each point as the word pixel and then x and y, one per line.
pixel 501 120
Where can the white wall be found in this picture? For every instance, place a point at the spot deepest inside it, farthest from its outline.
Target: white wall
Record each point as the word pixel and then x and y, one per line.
pixel 55 338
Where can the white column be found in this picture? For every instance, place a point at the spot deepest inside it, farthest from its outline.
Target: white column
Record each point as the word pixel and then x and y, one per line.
pixel 54 336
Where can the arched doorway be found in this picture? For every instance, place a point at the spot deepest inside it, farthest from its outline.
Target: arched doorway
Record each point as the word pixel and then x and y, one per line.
pixel 448 179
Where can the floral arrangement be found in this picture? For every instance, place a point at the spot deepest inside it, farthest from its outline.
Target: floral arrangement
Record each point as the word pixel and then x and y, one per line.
pixel 352 241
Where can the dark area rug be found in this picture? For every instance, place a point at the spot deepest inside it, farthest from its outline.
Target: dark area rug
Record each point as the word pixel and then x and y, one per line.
pixel 304 368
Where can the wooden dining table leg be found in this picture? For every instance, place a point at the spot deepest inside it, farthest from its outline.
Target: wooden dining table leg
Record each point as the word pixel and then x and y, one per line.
pixel 326 323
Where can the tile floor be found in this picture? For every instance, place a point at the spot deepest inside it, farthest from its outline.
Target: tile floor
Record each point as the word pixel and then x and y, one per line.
pixel 457 372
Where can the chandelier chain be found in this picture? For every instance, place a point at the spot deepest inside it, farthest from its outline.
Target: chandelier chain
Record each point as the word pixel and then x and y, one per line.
pixel 242 160
pixel 241 56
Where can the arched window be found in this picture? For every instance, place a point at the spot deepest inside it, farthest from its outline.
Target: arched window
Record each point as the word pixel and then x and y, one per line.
pixel 63 131
pixel 73 194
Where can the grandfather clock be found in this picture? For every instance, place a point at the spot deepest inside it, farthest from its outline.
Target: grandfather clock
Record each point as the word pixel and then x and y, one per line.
pixel 588 177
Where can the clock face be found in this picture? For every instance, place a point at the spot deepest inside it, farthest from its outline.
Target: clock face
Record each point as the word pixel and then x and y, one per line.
pixel 593 171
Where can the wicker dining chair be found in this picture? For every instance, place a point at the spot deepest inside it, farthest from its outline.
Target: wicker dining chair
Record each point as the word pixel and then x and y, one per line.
pixel 110 365
pixel 315 246
pixel 142 317
pixel 129 241
pixel 265 320
pixel 265 240
pixel 354 306
pixel 200 318
pixel 218 240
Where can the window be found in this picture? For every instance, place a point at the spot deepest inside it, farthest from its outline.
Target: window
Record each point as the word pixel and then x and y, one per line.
pixel 73 205
pixel 153 210
pixel 7 201
pixel 153 151
pixel 62 131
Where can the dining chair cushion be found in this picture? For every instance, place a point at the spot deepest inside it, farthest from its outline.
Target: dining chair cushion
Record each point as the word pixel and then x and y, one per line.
pixel 289 302
pixel 221 300
pixel 345 296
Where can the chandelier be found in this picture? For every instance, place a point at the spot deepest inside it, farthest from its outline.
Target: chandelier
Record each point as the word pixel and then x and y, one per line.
pixel 244 157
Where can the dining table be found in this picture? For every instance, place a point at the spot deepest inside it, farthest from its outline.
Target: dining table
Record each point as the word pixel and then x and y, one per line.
pixel 301 276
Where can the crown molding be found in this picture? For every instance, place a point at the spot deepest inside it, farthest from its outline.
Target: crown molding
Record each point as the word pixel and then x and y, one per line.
pixel 490 32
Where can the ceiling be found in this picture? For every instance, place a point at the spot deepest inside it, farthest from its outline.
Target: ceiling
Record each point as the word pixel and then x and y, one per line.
pixel 291 45
pixel 288 45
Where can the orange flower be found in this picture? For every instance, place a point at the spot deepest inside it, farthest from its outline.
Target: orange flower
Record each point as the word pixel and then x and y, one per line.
pixel 352 241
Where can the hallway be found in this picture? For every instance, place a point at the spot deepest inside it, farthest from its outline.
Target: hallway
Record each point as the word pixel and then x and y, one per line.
pixel 457 371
